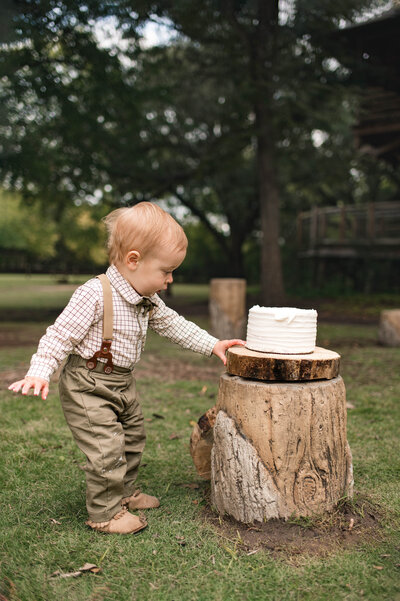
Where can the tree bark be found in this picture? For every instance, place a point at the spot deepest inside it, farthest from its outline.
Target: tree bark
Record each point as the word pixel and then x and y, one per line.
pixel 272 288
pixel 264 57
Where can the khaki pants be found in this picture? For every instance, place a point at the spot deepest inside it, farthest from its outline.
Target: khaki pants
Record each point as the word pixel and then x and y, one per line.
pixel 107 423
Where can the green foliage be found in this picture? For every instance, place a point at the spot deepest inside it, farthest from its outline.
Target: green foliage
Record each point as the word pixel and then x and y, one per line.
pixel 22 227
pixel 26 234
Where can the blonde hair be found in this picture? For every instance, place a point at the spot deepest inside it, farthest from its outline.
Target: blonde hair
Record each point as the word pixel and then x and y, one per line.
pixel 144 227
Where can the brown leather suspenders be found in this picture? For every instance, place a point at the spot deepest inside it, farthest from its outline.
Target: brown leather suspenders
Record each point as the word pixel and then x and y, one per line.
pixel 105 351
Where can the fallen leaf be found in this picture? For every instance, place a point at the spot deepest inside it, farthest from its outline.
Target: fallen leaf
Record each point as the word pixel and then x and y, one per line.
pixel 252 552
pixel 378 567
pixel 153 586
pixel 195 502
pixel 351 524
pixel 148 419
pixel 350 405
pixel 90 567
pixel 87 567
pixel 213 559
pixel 385 555
pixel 173 436
pixel 58 574
pixel 158 416
pixel 53 521
pixel 181 540
pixel 192 423
pixel 203 390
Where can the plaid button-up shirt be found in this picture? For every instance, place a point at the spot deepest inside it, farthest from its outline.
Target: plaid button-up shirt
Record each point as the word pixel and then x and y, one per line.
pixel 79 328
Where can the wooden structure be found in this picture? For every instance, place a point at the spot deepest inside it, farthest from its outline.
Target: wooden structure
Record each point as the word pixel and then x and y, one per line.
pixel 227 306
pixel 351 231
pixel 280 447
pixel 372 51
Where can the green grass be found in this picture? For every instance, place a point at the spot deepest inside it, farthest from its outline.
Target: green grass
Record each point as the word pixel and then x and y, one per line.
pixel 43 510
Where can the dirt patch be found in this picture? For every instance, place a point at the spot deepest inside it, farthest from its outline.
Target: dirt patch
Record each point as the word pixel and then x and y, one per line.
pixel 168 370
pixel 349 525
pixel 13 337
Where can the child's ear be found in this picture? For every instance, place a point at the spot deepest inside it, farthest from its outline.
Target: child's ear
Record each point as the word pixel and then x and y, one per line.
pixel 132 259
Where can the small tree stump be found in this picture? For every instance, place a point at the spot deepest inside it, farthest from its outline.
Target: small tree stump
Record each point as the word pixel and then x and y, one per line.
pixel 201 442
pixel 280 449
pixel 322 364
pixel 227 307
pixel 389 328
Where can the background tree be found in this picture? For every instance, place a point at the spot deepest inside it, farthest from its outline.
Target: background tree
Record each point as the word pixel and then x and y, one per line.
pixel 221 117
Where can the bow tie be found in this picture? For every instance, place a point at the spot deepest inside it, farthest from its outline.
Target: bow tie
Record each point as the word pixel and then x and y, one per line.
pixel 146 304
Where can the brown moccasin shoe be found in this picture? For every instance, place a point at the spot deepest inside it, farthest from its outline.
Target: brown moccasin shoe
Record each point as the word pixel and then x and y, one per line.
pixel 140 500
pixel 122 523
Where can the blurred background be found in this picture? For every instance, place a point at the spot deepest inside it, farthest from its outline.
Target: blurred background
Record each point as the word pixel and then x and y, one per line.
pixel 270 130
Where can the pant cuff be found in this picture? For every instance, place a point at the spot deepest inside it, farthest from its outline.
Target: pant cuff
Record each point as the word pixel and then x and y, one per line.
pixel 106 516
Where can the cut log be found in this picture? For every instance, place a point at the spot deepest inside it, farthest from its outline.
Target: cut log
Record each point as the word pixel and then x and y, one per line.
pixel 201 442
pixel 389 327
pixel 322 364
pixel 280 449
pixel 227 307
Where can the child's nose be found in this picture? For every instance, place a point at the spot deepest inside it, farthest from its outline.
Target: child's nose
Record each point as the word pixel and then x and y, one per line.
pixel 170 279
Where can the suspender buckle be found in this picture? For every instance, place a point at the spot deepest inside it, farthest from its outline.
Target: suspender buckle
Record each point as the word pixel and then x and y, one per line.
pixel 104 353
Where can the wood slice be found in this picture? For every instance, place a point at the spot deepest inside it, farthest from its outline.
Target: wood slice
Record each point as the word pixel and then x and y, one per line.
pixel 322 364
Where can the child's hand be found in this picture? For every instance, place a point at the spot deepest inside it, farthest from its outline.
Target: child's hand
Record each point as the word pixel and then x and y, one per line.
pixel 222 345
pixel 38 384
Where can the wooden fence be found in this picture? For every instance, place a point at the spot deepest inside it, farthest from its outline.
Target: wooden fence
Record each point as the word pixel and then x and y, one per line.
pixel 351 231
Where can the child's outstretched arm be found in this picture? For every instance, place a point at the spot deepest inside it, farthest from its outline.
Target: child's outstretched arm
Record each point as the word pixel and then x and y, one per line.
pixel 38 385
pixel 222 345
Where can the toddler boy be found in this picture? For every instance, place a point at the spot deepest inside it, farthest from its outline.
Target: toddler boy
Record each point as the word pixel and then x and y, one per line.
pixel 145 246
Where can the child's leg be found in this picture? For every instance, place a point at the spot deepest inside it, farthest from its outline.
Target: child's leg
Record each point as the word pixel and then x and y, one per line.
pixel 92 403
pixel 135 437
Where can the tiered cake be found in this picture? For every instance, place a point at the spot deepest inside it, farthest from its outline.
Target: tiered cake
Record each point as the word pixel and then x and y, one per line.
pixel 281 330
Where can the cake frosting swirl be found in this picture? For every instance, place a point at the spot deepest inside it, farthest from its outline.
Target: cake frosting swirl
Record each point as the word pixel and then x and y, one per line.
pixel 281 330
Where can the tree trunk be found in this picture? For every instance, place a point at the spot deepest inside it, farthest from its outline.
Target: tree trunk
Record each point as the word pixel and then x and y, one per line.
pixel 280 449
pixel 272 288
pixel 264 57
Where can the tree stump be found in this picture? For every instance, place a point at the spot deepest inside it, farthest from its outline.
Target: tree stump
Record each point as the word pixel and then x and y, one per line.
pixel 201 442
pixel 280 448
pixel 227 307
pixel 389 327
pixel 322 364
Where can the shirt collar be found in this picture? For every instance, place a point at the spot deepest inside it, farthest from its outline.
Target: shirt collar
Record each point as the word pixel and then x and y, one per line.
pixel 125 289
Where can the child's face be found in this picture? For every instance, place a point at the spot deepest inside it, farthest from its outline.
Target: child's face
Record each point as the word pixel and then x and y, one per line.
pixel 153 272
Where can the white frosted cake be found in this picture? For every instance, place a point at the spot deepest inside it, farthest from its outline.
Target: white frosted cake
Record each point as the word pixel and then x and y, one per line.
pixel 281 330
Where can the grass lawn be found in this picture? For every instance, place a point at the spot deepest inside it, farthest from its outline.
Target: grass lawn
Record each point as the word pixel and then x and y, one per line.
pixel 183 555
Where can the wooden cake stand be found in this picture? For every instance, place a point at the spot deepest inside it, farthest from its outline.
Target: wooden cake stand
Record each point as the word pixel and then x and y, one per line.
pixel 322 364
